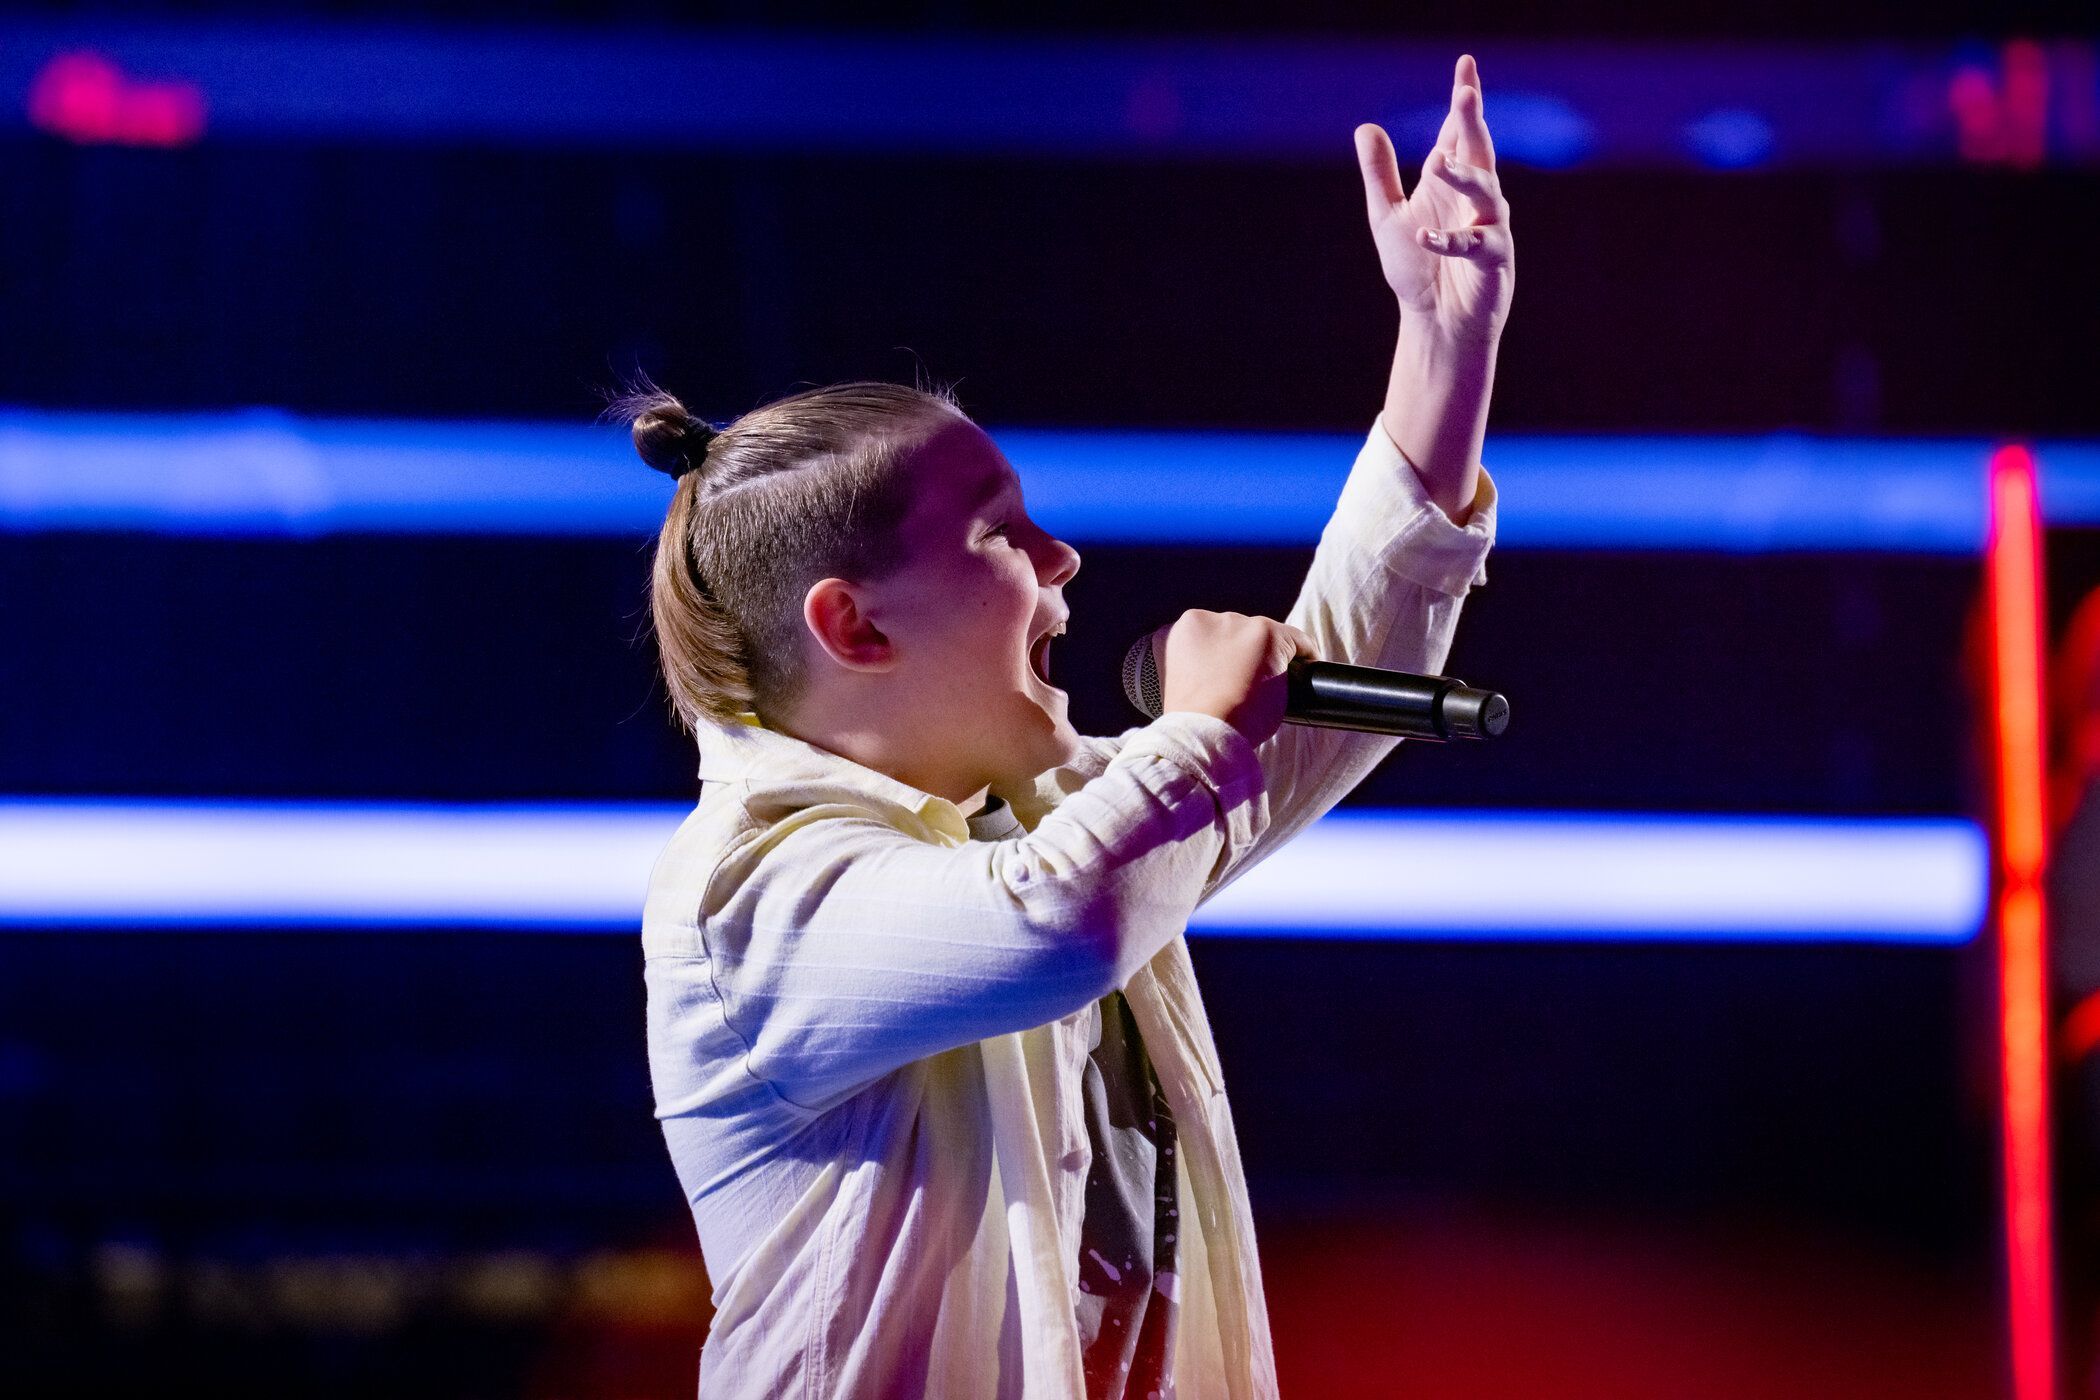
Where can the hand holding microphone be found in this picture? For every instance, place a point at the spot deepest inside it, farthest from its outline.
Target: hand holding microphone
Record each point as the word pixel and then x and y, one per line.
pixel 1258 674
pixel 1225 664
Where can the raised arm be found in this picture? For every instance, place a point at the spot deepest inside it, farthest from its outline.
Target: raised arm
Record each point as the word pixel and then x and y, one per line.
pixel 1448 257
pixel 1410 534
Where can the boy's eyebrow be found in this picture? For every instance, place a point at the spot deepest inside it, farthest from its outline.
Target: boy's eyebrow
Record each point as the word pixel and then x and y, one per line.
pixel 989 489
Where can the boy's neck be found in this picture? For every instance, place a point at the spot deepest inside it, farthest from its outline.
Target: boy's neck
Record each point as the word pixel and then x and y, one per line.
pixel 850 746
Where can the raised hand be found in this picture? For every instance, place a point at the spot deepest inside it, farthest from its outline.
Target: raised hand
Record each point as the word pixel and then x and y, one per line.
pixel 1446 250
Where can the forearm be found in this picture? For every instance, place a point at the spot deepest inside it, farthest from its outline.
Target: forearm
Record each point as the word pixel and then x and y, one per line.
pixel 1384 590
pixel 1436 407
pixel 844 946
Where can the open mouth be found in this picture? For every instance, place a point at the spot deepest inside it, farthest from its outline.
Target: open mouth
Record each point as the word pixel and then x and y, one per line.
pixel 1039 653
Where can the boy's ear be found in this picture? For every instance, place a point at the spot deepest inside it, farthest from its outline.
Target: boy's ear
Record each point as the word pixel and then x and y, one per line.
pixel 833 612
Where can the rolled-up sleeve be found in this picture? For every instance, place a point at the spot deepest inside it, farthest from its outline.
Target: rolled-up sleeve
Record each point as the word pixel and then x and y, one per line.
pixel 1384 589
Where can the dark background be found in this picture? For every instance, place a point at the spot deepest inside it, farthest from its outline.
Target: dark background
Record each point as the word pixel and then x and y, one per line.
pixel 221 1154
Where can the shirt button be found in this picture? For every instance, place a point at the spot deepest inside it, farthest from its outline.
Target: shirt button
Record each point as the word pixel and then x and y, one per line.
pixel 1073 1160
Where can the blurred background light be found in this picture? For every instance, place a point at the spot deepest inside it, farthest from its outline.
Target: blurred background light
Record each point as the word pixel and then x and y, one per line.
pixel 1354 873
pixel 267 472
pixel 1624 103
pixel 1732 138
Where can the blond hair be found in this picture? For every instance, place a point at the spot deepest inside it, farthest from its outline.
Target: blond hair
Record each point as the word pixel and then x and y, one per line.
pixel 806 487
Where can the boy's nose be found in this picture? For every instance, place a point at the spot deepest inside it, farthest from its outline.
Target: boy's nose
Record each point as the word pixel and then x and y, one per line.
pixel 1065 561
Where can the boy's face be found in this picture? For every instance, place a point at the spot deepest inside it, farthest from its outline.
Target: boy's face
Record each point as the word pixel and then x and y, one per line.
pixel 983 585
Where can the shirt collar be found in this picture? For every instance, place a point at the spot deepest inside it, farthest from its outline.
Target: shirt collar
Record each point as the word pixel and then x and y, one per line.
pixel 789 772
pixel 995 821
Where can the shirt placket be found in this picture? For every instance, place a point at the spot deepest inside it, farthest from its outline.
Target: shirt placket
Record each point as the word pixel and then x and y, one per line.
pixel 1075 1152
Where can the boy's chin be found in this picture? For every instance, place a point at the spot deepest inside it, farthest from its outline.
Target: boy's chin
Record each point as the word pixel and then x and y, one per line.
pixel 1067 744
pixel 1048 742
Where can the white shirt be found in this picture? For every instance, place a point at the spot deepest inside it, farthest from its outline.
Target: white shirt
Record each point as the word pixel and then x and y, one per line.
pixel 867 1032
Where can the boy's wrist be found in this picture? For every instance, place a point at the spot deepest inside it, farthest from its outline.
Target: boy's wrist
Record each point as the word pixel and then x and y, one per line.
pixel 1436 406
pixel 1437 350
pixel 1424 320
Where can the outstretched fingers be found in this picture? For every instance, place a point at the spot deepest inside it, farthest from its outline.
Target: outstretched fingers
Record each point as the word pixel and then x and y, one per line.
pixel 1483 243
pixel 1481 187
pixel 1474 145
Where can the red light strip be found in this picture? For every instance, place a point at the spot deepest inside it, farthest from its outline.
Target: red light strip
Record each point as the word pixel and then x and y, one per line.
pixel 2079 1035
pixel 2013 570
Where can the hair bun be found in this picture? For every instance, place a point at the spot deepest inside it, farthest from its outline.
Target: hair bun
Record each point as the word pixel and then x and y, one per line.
pixel 669 438
pixel 693 444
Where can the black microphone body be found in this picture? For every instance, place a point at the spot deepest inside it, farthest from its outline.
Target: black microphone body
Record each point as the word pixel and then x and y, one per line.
pixel 1336 695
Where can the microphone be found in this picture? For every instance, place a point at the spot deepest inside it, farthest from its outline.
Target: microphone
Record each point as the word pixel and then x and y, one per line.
pixel 1333 695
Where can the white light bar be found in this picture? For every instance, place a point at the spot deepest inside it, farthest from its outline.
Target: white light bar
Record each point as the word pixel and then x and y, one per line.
pixel 1467 876
pixel 1443 875
pixel 215 863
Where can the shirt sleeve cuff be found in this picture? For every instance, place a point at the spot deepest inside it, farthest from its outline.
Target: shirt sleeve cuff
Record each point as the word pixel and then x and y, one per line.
pixel 1385 507
pixel 1213 751
pixel 1227 764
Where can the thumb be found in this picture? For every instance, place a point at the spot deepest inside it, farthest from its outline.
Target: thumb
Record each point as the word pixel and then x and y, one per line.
pixel 1381 170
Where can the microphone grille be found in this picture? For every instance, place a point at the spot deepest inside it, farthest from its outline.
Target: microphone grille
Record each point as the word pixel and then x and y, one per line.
pixel 1141 677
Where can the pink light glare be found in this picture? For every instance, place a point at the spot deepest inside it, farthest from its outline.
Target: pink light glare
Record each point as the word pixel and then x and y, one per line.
pixel 2002 118
pixel 83 97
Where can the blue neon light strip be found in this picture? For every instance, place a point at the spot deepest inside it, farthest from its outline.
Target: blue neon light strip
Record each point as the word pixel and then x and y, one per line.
pixel 1362 874
pixel 1717 106
pixel 268 473
pixel 2070 482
